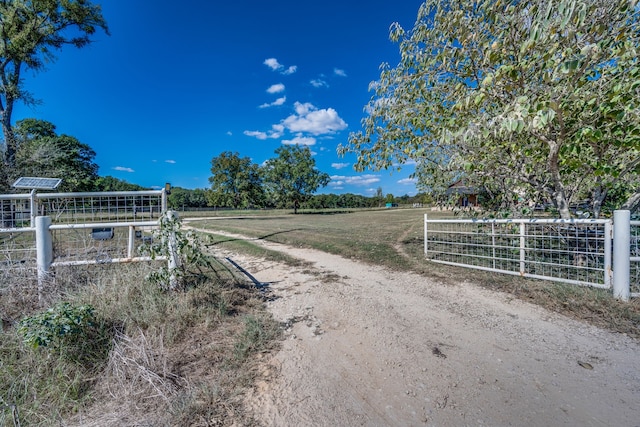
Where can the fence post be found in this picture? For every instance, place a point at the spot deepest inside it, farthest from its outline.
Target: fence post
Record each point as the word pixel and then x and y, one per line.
pixel 621 254
pixel 33 208
pixel 44 249
pixel 132 241
pixel 172 246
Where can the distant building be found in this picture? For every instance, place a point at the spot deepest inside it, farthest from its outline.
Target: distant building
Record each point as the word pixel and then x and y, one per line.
pixel 467 196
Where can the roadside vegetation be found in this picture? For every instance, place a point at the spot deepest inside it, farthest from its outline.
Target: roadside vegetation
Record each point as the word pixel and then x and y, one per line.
pixel 105 345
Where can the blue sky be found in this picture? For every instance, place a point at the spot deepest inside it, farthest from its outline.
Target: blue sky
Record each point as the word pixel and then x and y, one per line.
pixel 177 83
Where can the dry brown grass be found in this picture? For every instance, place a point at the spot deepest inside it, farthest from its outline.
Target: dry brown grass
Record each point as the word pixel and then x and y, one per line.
pixel 173 357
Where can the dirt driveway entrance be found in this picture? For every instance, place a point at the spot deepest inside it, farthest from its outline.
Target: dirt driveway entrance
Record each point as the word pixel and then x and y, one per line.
pixel 368 346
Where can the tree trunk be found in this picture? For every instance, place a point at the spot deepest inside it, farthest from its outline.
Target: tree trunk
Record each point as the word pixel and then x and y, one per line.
pixel 6 112
pixel 633 202
pixel 559 196
pixel 599 195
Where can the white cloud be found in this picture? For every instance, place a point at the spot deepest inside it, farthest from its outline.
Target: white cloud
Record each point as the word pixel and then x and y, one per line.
pixel 319 83
pixel 317 122
pixel 173 162
pixel 359 180
pixel 340 165
pixel 257 134
pixel 277 88
pixel 275 103
pixel 272 63
pixel 407 181
pixel 274 133
pixel 303 109
pixel 123 169
pixel 276 66
pixel 300 140
pixel 339 72
pixel 229 133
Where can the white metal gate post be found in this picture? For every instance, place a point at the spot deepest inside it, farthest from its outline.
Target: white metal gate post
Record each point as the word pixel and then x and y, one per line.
pixel 44 249
pixel 621 254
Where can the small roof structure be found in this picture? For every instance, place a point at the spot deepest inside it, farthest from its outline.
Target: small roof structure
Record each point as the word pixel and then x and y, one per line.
pixel 460 187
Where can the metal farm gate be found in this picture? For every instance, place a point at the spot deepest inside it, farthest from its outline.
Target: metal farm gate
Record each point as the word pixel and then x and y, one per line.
pixel 576 251
pixel 82 228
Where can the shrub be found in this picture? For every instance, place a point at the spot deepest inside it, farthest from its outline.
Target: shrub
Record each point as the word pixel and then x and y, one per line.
pixel 186 250
pixel 72 331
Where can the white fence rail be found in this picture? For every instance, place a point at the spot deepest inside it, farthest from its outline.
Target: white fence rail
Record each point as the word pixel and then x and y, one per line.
pixel 577 251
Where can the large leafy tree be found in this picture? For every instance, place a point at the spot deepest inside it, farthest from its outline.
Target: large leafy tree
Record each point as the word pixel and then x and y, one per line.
pixel 181 198
pixel 30 32
pixel 292 176
pixel 235 181
pixel 41 152
pixel 541 97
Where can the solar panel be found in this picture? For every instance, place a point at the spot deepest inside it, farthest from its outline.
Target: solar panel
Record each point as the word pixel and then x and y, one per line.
pixel 37 183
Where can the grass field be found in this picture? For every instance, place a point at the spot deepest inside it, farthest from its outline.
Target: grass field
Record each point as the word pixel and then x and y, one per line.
pixel 394 238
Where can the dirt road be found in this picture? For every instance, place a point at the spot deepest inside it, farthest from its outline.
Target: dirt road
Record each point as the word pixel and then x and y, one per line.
pixel 370 347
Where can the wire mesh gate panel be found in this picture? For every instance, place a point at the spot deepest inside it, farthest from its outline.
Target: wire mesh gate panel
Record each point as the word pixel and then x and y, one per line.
pixel 99 243
pixel 17 254
pixel 15 210
pixel 571 251
pixel 120 206
pixel 634 277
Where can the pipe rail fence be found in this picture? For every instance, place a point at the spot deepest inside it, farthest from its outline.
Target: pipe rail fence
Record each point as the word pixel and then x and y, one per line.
pixel 597 253
pixel 39 232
